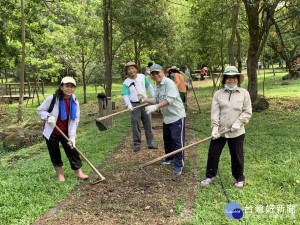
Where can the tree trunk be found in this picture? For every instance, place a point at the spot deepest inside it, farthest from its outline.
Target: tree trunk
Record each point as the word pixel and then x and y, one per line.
pixel 272 64
pixel 259 23
pixel 222 42
pixel 83 76
pixel 20 109
pixel 137 54
pixel 107 42
pixel 284 53
pixel 135 42
pixel 239 51
pixel 233 22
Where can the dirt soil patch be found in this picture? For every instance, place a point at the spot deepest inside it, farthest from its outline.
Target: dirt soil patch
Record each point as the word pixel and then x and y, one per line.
pixel 128 195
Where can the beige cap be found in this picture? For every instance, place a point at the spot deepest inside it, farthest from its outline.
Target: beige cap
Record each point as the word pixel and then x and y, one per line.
pixel 129 64
pixel 66 80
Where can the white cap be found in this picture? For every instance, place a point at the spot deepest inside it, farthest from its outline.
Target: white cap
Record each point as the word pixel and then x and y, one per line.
pixel 66 80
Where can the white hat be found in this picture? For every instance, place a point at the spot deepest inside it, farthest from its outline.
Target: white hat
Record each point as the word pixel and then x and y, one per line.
pixel 232 70
pixel 66 80
pixel 174 68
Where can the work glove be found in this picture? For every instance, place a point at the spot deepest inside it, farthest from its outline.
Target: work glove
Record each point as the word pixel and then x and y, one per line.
pixel 235 127
pixel 151 108
pixel 142 98
pixel 51 120
pixel 130 107
pixel 72 141
pixel 215 135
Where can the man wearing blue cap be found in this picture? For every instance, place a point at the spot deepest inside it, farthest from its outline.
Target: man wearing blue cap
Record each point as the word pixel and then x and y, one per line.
pixel 167 100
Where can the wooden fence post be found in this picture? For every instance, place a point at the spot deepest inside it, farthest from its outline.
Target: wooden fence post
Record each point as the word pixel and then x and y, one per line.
pixel 29 91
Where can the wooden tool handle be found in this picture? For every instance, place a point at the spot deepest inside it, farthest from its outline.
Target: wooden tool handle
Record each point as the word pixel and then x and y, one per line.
pixel 79 152
pixel 137 90
pixel 120 112
pixel 178 150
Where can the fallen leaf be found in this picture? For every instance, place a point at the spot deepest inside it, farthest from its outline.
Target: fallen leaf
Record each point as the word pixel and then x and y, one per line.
pixel 147 207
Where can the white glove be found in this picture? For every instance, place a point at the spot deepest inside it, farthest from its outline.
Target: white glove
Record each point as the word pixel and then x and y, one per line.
pixel 142 98
pixel 130 107
pixel 235 127
pixel 215 135
pixel 72 141
pixel 151 108
pixel 51 120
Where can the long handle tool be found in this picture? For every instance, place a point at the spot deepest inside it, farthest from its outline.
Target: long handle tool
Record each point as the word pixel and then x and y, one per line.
pixel 178 150
pixel 195 96
pixel 102 127
pixel 88 162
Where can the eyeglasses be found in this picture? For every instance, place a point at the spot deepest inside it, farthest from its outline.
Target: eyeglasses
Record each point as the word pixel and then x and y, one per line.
pixel 154 74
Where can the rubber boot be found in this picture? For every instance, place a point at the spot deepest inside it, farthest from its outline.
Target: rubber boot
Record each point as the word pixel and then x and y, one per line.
pixel 80 174
pixel 60 174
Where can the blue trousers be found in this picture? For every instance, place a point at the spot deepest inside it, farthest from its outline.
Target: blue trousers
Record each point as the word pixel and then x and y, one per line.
pixel 174 135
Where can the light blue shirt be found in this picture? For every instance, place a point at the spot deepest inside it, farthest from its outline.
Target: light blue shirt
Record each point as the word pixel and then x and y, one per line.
pixel 167 90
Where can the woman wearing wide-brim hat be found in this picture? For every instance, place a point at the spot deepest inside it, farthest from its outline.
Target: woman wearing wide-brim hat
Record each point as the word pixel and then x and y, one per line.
pixel 230 110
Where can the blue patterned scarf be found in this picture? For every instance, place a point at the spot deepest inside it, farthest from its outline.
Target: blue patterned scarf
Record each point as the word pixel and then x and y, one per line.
pixel 62 109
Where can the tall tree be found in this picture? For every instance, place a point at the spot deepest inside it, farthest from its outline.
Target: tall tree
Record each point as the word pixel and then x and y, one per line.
pixel 20 111
pixel 286 24
pixel 107 43
pixel 233 21
pixel 260 15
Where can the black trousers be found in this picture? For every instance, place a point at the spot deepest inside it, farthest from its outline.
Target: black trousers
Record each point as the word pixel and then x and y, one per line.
pixel 54 151
pixel 236 147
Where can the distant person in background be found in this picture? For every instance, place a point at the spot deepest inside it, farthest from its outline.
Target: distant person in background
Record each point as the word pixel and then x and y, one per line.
pixel 65 115
pixel 147 72
pixel 148 75
pixel 179 81
pixel 187 71
pixel 202 74
pixel 168 74
pixel 230 110
pixel 258 66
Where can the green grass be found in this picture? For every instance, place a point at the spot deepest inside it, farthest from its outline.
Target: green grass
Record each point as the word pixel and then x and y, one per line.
pixel 272 161
pixel 28 183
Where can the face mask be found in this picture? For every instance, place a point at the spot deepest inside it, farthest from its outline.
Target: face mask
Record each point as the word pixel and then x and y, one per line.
pixel 229 88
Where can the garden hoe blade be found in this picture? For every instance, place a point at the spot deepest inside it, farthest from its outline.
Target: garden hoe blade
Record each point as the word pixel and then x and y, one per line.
pixel 100 125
